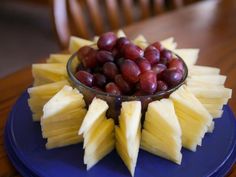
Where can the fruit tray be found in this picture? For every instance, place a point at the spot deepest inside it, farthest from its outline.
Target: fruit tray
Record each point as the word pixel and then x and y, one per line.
pixel 25 144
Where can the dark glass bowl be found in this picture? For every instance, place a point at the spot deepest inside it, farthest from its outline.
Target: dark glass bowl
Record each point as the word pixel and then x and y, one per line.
pixel 114 101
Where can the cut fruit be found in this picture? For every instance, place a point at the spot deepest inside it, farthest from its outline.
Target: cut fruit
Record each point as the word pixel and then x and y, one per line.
pixel 189 56
pixel 216 113
pixel 211 92
pixel 140 41
pixel 203 70
pixel 76 43
pixel 98 133
pixel 121 33
pixel 62 118
pixel 128 134
pixel 169 43
pixel 206 79
pixel 58 58
pixel 193 117
pixel 162 133
pixel 48 73
pixel 39 95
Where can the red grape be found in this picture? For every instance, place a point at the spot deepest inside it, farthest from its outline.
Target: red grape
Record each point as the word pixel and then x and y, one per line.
pixel 85 78
pixel 104 56
pixel 161 86
pixel 110 70
pixel 166 56
pixel 172 77
pixel 89 60
pixel 130 71
pixel 112 88
pixel 143 64
pixel 107 41
pixel 158 46
pixel 132 51
pixel 176 63
pixel 121 42
pixel 99 80
pixel 122 84
pixel 148 82
pixel 158 68
pixel 83 51
pixel 152 55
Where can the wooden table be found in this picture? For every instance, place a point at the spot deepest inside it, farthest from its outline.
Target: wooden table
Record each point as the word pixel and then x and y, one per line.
pixel 208 25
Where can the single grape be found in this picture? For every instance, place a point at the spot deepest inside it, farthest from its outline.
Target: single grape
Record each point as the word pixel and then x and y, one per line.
pixel 112 88
pixel 152 55
pixel 158 68
pixel 107 41
pixel 144 64
pixel 132 51
pixel 161 86
pixel 99 80
pixel 121 42
pixel 83 51
pixel 166 56
pixel 158 46
pixel 176 63
pixel 85 78
pixel 130 71
pixel 122 84
pixel 89 60
pixel 148 82
pixel 172 76
pixel 104 56
pixel 110 70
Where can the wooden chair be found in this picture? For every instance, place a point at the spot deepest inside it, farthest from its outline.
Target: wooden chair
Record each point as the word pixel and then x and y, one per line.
pixel 86 18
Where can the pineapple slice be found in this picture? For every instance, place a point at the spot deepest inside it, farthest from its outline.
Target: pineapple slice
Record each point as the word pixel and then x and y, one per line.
pixel 128 134
pixel 162 133
pixel 98 133
pixel 120 33
pixel 193 117
pixel 203 70
pixel 39 95
pixel 63 140
pixel 63 112
pixel 169 43
pixel 206 79
pixel 189 56
pixel 140 41
pixel 76 43
pixel 47 73
pixel 58 58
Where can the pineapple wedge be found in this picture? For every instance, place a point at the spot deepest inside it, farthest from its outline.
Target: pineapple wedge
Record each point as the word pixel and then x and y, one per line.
pixel 128 134
pixel 206 79
pixel 120 33
pixel 193 117
pixel 169 43
pixel 98 133
pixel 48 73
pixel 189 56
pixel 140 41
pixel 162 133
pixel 62 118
pixel 58 58
pixel 203 70
pixel 76 43
pixel 39 95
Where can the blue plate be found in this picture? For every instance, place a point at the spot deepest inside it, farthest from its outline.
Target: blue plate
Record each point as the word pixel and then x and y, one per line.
pixel 68 161
pixel 20 167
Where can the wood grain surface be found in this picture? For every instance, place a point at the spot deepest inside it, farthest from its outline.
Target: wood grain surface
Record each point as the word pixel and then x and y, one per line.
pixel 208 25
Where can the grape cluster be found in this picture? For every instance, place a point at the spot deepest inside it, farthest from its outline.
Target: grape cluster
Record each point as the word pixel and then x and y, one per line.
pixel 122 68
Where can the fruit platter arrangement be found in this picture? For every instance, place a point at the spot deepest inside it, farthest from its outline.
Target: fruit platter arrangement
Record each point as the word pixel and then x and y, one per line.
pixel 116 95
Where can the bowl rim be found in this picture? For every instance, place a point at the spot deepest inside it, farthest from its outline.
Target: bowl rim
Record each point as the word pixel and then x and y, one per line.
pixel 123 97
